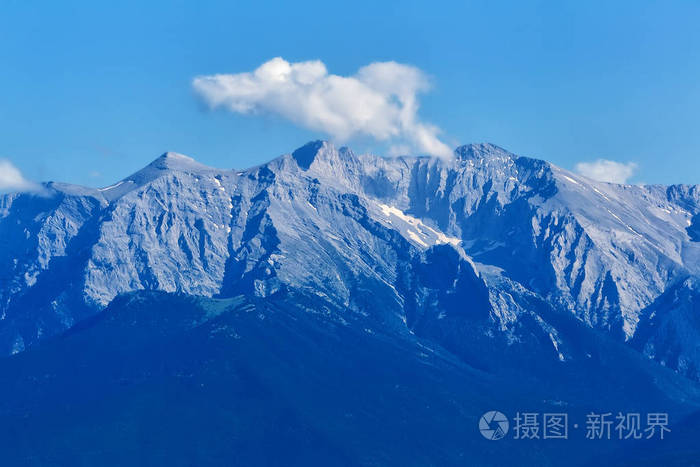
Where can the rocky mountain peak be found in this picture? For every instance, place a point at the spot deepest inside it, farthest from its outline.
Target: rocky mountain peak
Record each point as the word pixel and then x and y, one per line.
pixel 305 155
pixel 481 151
pixel 323 153
pixel 176 161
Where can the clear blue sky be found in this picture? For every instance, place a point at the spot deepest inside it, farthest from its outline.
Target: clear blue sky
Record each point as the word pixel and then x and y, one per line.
pixel 92 91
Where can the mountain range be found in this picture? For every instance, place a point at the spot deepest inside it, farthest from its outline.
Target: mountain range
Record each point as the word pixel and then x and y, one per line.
pixel 399 298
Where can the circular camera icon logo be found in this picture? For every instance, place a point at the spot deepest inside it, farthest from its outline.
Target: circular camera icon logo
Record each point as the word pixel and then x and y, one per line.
pixel 493 425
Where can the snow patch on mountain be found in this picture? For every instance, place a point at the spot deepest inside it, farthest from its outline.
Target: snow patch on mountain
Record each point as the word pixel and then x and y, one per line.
pixel 414 228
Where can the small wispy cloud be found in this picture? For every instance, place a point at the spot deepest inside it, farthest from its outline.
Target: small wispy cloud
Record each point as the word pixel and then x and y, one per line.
pixel 605 170
pixel 379 101
pixel 12 180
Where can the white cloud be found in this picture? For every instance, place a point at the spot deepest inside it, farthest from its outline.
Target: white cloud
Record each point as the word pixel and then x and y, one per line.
pixel 11 179
pixel 604 170
pixel 379 101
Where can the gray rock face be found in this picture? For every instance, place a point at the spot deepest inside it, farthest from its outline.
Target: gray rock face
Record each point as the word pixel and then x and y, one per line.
pixel 488 245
